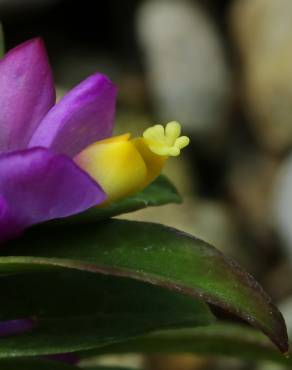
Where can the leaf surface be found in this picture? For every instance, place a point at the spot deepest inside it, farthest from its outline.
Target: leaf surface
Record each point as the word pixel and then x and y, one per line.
pixel 75 310
pixel 151 253
pixel 34 364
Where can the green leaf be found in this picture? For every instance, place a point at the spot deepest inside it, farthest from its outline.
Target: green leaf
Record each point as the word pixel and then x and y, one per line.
pixel 158 193
pixel 215 340
pixel 155 254
pixel 35 364
pixel 40 364
pixel 77 310
pixel 2 45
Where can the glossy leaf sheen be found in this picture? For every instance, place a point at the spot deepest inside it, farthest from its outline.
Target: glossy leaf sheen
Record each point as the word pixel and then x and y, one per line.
pixel 77 310
pixel 158 193
pixel 214 340
pixel 155 254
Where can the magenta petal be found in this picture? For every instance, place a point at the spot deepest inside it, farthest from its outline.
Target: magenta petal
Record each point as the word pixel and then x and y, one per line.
pixel 83 116
pixel 68 358
pixel 14 327
pixel 9 226
pixel 37 185
pixel 26 93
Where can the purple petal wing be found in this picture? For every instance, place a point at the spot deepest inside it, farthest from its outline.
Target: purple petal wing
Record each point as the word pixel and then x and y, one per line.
pixel 26 93
pixel 68 358
pixel 37 185
pixel 83 116
pixel 14 327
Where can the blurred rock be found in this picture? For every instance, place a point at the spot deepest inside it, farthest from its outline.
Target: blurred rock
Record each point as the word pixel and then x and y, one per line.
pixel 277 284
pixel 130 361
pixel 270 366
pixel 283 204
pixel 176 362
pixel 250 188
pixel 250 184
pixel 225 363
pixel 263 32
pixel 188 78
pixel 132 91
pixel 192 362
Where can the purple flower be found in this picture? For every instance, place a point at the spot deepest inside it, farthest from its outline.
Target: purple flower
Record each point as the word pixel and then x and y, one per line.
pixel 39 181
pixel 13 327
pixel 68 358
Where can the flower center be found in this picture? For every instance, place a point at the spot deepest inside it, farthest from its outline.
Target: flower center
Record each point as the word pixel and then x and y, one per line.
pixel 165 141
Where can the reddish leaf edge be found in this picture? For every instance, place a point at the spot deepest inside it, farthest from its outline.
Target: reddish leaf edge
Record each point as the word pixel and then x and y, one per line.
pixel 277 333
pixel 280 341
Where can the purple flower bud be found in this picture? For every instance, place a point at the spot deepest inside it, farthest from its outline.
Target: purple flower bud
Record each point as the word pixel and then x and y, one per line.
pixel 14 327
pixel 38 138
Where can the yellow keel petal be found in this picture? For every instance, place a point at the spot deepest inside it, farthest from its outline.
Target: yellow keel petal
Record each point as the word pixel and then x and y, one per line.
pixel 123 167
pixel 116 165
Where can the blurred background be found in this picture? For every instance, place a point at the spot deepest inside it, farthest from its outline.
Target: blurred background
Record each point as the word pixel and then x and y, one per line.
pixel 224 70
